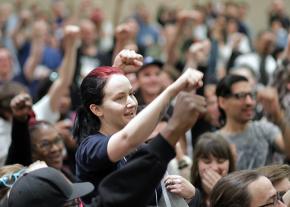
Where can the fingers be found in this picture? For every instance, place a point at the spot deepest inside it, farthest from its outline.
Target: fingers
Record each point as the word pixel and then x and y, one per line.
pixel 130 57
pixel 21 101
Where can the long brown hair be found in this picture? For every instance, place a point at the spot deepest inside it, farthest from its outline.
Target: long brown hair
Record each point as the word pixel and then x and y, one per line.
pixel 210 144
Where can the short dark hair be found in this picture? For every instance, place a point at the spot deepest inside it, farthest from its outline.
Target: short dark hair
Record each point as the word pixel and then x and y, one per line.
pixel 224 89
pixel 232 190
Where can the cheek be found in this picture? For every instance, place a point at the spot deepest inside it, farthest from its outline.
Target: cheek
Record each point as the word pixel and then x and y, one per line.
pixel 202 167
pixel 225 168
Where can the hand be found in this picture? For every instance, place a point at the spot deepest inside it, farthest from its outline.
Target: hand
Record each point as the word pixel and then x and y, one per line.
pixel 187 108
pixel 236 40
pixel 71 35
pixel 126 31
pixel 208 179
pixel 268 97
pixel 39 30
pixel 190 80
pixel 185 15
pixel 64 129
pixel 21 106
pixel 180 186
pixel 128 60
pixel 198 53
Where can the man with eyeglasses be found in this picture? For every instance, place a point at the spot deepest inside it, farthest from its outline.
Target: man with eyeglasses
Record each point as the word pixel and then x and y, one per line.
pixel 254 142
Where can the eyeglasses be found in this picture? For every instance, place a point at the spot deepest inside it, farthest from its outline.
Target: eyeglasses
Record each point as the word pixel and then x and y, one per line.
pixel 274 203
pixel 47 145
pixel 243 95
pixel 8 180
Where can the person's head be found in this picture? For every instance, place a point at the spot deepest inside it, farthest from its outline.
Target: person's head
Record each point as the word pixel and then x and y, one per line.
pixel 148 77
pixel 265 42
pixel 244 189
pixel 88 32
pixel 212 152
pixel 279 175
pixel 46 187
pixel 6 65
pixel 236 99
pixel 5 180
pixel 108 103
pixel 7 92
pixel 46 144
pixel 246 71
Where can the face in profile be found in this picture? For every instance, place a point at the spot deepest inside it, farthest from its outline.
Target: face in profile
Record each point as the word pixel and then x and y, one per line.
pixel 219 165
pixel 263 193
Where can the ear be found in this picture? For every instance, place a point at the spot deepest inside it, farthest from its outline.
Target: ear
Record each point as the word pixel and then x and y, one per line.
pixel 95 109
pixel 221 102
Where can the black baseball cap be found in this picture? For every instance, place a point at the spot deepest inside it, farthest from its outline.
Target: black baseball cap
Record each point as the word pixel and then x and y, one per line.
pixel 149 60
pixel 45 187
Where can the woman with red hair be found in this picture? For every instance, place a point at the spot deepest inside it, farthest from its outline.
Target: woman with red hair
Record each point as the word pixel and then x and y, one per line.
pixel 107 127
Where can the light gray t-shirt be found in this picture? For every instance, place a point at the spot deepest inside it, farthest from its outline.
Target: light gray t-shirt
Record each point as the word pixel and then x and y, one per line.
pixel 255 147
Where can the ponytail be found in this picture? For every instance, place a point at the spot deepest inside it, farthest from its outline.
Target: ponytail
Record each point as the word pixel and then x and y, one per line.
pixel 85 124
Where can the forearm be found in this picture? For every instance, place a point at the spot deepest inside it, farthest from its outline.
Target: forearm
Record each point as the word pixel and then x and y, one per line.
pixel 66 72
pixel 172 50
pixel 33 60
pixel 20 149
pixel 138 129
pixel 280 120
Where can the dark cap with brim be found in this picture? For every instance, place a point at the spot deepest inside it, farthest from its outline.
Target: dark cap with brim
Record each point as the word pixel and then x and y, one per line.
pixel 45 187
pixel 151 61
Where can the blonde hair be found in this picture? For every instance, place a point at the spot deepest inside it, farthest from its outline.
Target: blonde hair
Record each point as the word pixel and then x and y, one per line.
pixel 5 170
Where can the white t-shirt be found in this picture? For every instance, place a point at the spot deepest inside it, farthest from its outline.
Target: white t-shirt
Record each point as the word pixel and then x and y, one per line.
pixel 5 139
pixel 43 111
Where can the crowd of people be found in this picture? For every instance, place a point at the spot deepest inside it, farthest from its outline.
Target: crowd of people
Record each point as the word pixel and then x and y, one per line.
pixel 187 108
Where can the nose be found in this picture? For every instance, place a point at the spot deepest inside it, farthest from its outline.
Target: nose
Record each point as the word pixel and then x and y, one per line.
pixel 250 100
pixel 214 166
pixel 131 101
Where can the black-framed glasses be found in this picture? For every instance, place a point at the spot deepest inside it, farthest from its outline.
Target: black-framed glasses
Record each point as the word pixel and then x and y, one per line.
pixel 243 95
pixel 47 145
pixel 274 202
pixel 8 180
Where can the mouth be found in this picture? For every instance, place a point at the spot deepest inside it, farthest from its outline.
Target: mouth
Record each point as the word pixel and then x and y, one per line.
pixel 130 114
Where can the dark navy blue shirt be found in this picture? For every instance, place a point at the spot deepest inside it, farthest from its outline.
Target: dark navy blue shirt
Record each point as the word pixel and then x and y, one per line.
pixel 93 163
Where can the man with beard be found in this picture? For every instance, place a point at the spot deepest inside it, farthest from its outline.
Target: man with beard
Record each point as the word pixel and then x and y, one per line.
pixel 254 142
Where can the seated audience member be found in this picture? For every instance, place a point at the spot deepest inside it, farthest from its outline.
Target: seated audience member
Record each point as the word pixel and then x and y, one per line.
pixel 279 175
pixel 41 139
pixel 7 177
pixel 212 160
pixel 245 189
pixel 45 187
pixel 254 141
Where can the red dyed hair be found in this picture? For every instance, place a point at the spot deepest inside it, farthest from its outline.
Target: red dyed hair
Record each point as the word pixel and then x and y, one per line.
pixel 104 72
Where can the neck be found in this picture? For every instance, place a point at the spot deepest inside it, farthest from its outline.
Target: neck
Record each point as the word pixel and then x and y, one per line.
pixel 234 127
pixel 107 130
